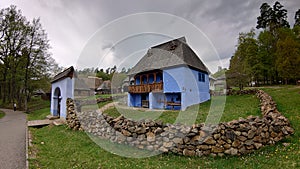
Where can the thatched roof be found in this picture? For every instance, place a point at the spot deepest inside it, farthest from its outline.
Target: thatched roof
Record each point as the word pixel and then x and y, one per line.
pixel 106 85
pixel 169 54
pixel 69 72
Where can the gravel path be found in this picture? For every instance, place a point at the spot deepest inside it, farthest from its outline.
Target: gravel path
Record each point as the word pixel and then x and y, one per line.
pixel 13 140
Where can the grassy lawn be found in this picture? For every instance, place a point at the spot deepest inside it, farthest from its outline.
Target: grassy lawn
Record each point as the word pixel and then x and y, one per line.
pixel 39 114
pixel 37 103
pixel 2 114
pixel 38 109
pixel 235 107
pixel 58 147
pixel 94 106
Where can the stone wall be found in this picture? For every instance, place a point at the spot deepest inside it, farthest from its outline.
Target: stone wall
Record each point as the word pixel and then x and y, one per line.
pixel 236 137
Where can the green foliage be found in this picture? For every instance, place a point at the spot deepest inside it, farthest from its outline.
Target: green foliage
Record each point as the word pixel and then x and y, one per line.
pixel 244 61
pixel 297 18
pixel 266 52
pixel 24 57
pixel 219 73
pixel 272 57
pixel 103 75
pixel 37 103
pixel 272 18
pixel 288 55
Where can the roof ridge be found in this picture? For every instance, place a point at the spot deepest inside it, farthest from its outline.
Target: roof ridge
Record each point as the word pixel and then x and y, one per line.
pixel 63 74
pixel 181 40
pixel 169 54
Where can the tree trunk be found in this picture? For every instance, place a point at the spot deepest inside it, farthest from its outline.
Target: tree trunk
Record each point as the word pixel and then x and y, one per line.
pixel 4 86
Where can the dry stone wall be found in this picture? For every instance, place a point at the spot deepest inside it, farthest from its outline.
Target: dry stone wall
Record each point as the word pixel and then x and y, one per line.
pixel 236 137
pixel 71 118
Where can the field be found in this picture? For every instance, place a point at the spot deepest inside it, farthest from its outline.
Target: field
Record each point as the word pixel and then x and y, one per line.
pixel 58 147
pixel 235 107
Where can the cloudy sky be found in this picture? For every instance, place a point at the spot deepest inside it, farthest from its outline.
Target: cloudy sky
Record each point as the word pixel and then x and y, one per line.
pixel 98 33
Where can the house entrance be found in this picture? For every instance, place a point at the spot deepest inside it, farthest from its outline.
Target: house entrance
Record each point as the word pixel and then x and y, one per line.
pixel 57 101
pixel 145 100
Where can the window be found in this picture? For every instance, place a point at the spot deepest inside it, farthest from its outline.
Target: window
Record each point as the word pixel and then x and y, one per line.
pixel 201 77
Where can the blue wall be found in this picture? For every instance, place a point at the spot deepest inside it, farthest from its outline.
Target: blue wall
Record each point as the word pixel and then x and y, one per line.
pixel 171 80
pixel 135 100
pixel 66 87
pixel 185 80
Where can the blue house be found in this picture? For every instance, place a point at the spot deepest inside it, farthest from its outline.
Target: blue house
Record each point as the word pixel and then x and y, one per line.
pixel 169 76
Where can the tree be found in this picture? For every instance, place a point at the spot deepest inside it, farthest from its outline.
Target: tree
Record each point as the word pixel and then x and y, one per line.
pixel 13 38
pixel 249 49
pixel 297 18
pixel 236 75
pixel 103 75
pixel 240 70
pixel 279 17
pixel 24 56
pixel 36 57
pixel 288 56
pixel 266 53
pixel 265 16
pixel 221 71
pixel 272 18
pixel 271 57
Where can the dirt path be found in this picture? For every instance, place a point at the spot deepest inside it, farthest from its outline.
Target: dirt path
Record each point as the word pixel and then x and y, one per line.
pixel 13 140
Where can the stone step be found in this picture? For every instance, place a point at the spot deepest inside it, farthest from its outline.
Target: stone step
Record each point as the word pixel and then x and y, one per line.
pixel 39 123
pixel 50 117
pixel 58 122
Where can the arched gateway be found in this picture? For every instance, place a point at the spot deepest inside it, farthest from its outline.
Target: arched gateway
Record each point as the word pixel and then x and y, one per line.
pixel 62 88
pixel 57 102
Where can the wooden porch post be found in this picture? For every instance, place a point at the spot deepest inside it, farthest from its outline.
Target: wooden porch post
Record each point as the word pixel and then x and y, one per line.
pixel 134 80
pixel 147 78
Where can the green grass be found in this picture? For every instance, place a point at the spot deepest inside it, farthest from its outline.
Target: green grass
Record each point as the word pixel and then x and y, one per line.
pixel 39 114
pixel 235 107
pixel 93 97
pixel 2 114
pixel 64 148
pixel 94 106
pixel 38 109
pixel 37 103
